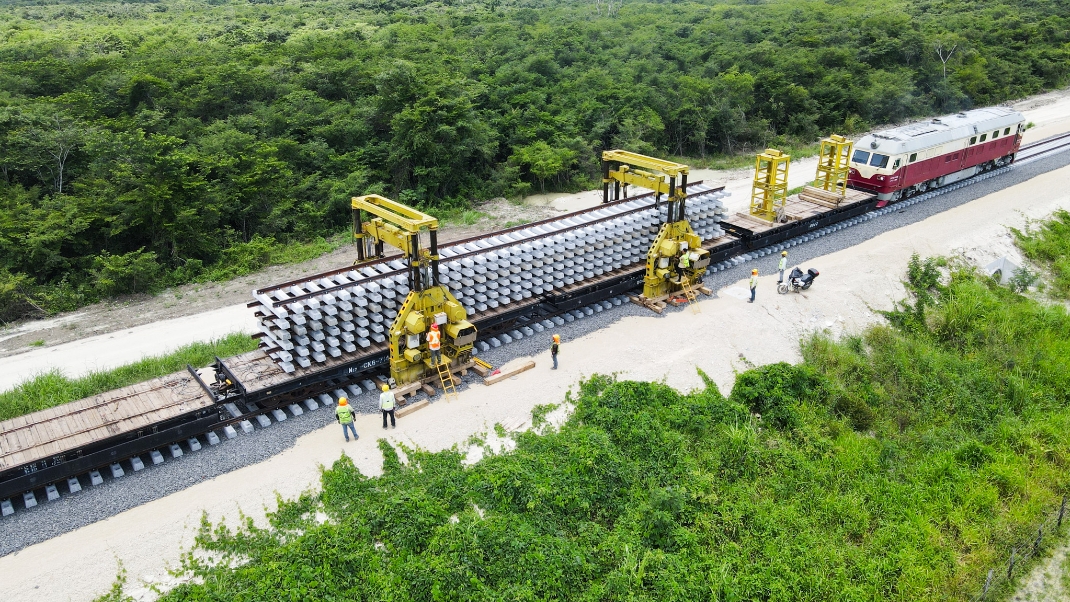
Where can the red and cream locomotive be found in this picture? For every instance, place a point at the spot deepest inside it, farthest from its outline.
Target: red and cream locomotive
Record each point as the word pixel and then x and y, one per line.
pixel 917 157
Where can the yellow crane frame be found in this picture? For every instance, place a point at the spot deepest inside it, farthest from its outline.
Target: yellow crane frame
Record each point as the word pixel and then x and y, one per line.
pixel 661 179
pixel 428 300
pixel 664 276
pixel 833 164
pixel 770 188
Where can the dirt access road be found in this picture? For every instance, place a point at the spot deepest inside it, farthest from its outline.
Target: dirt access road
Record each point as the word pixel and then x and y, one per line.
pixel 854 282
pixel 111 334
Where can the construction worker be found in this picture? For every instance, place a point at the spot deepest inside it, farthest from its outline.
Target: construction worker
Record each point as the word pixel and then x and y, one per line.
pixel 344 413
pixel 753 284
pixel 434 343
pixel 782 265
pixel 386 404
pixel 554 348
pixel 685 263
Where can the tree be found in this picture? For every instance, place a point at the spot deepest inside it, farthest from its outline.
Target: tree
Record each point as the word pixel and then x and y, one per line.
pixel 544 161
pixel 134 272
pixel 945 56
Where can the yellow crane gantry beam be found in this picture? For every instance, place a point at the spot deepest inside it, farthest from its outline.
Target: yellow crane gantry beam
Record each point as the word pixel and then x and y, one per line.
pixel 655 174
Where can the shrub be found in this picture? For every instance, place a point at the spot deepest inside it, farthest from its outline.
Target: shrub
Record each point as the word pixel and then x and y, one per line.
pixel 133 272
pixel 774 390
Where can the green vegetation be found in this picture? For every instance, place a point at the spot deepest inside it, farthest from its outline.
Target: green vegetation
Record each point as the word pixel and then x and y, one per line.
pixel 1048 245
pixel 148 143
pixel 53 388
pixel 896 465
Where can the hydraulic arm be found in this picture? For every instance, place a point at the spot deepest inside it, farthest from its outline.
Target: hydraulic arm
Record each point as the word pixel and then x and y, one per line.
pixel 428 302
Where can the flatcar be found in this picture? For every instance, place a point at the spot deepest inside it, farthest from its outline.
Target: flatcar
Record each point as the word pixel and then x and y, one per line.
pixel 911 159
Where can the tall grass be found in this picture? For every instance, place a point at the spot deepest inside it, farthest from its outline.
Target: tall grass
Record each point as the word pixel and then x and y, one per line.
pixel 1048 245
pixel 896 465
pixel 53 388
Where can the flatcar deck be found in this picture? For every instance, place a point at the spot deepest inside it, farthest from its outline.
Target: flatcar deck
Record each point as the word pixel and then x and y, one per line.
pixel 798 209
pixel 47 433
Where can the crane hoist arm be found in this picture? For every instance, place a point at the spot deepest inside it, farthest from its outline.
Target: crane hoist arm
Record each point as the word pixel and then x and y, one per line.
pixel 659 175
pixel 399 226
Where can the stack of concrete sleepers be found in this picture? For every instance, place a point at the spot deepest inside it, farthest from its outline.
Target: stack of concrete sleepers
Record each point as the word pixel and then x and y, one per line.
pixel 350 312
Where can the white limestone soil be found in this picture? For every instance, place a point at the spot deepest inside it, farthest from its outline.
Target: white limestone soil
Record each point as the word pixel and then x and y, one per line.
pixel 723 338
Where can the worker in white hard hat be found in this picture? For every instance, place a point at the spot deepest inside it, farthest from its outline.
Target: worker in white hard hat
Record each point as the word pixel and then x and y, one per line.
pixel 386 404
pixel 344 413
pixel 753 284
pixel 782 265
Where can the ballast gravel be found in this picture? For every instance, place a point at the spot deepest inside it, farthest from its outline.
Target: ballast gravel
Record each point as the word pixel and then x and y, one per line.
pixel 94 503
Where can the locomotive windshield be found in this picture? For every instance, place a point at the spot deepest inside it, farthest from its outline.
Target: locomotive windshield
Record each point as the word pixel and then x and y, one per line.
pixel 879 161
pixel 861 156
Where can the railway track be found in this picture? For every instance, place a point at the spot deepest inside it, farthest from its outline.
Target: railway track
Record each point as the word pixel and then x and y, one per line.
pixel 271 394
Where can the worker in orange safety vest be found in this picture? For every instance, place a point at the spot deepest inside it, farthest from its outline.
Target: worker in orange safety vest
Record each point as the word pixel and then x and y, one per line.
pixel 434 343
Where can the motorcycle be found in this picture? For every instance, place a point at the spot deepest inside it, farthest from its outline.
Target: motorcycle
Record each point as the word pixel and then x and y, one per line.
pixel 797 281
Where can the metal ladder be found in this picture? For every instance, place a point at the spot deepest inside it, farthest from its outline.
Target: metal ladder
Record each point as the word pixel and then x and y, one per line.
pixel 449 388
pixel 689 293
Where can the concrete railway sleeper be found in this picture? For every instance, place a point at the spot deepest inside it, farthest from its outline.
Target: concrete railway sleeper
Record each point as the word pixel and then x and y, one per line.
pixel 261 393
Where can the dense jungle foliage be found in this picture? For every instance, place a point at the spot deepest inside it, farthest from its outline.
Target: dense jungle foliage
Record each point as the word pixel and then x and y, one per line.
pixel 158 142
pixel 897 465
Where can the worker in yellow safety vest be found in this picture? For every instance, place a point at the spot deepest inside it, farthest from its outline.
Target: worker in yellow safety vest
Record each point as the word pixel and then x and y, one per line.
pixel 434 343
pixel 753 284
pixel 344 413
pixel 386 404
pixel 782 265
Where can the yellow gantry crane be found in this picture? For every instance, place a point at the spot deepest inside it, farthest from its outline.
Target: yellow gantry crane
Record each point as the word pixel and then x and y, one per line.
pixel 770 188
pixel 833 164
pixel 676 260
pixel 428 300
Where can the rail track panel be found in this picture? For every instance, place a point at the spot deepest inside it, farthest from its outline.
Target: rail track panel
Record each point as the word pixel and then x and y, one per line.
pixel 40 448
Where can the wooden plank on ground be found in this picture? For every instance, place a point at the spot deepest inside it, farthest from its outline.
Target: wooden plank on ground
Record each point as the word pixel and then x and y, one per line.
pixel 510 372
pixel 412 407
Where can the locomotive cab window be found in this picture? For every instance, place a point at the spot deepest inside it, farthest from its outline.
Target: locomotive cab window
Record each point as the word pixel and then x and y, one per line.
pixel 896 164
pixel 913 157
pixel 984 137
pixel 861 156
pixel 879 161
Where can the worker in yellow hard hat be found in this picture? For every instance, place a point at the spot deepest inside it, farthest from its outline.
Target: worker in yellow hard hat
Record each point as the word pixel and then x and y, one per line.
pixel 753 284
pixel 782 265
pixel 554 348
pixel 386 404
pixel 345 418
